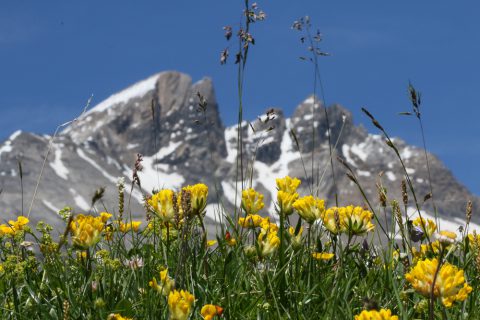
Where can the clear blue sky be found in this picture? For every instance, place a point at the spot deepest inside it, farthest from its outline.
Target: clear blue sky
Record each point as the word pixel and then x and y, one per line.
pixel 54 54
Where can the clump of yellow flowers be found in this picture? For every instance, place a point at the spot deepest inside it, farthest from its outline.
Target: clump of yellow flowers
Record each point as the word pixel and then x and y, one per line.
pixel 180 304
pixel 209 311
pixel 86 230
pixel 252 201
pixel 428 226
pixel 13 227
pixel 117 316
pixel 450 283
pixel 310 208
pixel 166 283
pixel 287 194
pixel 383 314
pixel 162 204
pixel 351 220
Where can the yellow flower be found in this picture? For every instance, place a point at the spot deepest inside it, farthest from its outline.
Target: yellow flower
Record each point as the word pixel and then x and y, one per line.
pixel 180 304
pixel 288 184
pixel 285 201
pixel 211 243
pixel 209 311
pixel 350 219
pixel 117 316
pixel 383 314
pixel 310 208
pixel 252 201
pixel 230 241
pixel 13 227
pixel 268 226
pixel 428 226
pixel 474 238
pixel 166 283
pixel 198 197
pixel 450 283
pixel 250 221
pixel 268 242
pixel 296 239
pixel 104 216
pixel 446 237
pixel 86 230
pixel 162 205
pixel 322 256
pixel 125 227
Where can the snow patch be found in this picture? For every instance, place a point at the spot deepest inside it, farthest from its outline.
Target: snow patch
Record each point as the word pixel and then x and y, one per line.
pixel 139 89
pixel 390 175
pixel 96 166
pixel 79 200
pixel 58 166
pixel 229 192
pixel 364 173
pixel 410 170
pixel 50 206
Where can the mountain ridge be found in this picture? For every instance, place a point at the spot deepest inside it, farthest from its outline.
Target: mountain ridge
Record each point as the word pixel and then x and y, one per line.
pixel 181 143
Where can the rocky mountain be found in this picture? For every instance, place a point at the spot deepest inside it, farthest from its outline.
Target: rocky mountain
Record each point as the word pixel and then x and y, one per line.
pixel 183 143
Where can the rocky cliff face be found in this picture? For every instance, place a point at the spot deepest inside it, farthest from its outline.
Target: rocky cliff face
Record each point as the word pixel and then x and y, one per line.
pixel 182 143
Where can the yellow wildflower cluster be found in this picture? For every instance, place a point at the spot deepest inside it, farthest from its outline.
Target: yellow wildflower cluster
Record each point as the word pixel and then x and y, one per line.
pixel 322 256
pixel 310 208
pixel 268 242
pixel 86 230
pixel 287 194
pixel 166 283
pixel 295 239
pixel 450 283
pixel 125 227
pixel 252 201
pixel 198 197
pixel 168 205
pixel 209 311
pixel 383 314
pixel 251 221
pixel 117 316
pixel 13 227
pixel 350 219
pixel 180 304
pixel 428 226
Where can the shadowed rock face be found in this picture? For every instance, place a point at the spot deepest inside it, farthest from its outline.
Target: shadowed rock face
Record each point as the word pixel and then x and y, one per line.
pixel 181 144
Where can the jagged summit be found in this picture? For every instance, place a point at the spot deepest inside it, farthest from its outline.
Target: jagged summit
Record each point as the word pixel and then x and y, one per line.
pixel 183 144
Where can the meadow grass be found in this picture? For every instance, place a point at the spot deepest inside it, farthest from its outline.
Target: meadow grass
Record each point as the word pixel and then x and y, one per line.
pixel 313 262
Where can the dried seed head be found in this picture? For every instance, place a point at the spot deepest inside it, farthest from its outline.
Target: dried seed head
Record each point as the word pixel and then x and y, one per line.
pixel 66 310
pixel 404 192
pixel 469 211
pixel 382 195
pixel 397 213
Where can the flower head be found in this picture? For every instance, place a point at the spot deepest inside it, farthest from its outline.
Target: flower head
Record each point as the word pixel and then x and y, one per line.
pixel 13 227
pixel 322 256
pixel 428 226
pixel 180 304
pixel 285 201
pixel 309 208
pixel 268 242
pixel 162 204
pixel 198 197
pixel 250 221
pixel 446 237
pixel 166 283
pixel 252 201
pixel 295 239
pixel 450 283
pixel 86 230
pixel 350 219
pixel 209 311
pixel 117 316
pixel 383 314
pixel 125 227
pixel 288 184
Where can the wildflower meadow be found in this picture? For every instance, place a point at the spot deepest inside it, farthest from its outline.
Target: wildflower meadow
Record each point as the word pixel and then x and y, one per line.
pixel 309 258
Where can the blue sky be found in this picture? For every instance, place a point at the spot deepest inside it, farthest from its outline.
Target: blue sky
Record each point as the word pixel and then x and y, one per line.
pixel 54 54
